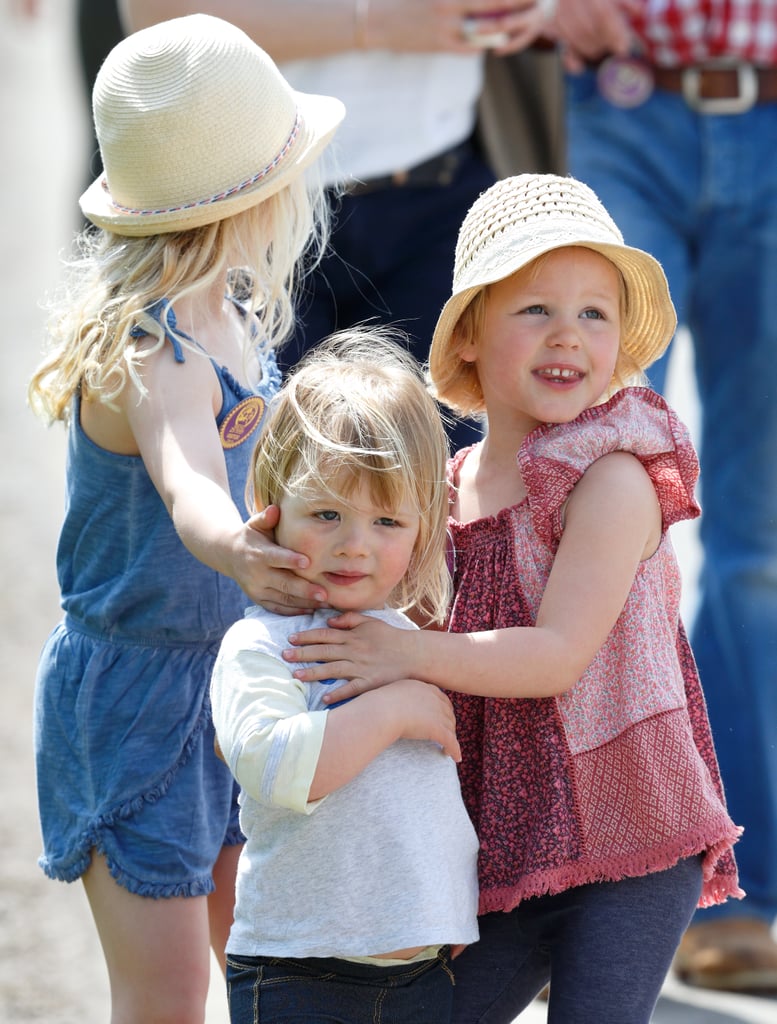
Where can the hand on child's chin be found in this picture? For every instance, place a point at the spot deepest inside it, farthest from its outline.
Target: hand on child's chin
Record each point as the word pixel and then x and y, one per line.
pixel 283 590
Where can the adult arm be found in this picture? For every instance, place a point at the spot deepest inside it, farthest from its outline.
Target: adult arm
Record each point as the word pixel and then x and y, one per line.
pixel 590 29
pixel 297 29
pixel 613 521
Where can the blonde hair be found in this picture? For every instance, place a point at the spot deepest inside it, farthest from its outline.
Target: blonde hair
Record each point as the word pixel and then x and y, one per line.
pixel 114 280
pixel 356 407
pixel 457 383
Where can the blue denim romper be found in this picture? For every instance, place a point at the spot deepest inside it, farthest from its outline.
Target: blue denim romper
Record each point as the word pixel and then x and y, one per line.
pixel 123 732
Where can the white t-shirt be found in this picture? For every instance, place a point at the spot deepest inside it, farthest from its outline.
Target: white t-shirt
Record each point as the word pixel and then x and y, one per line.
pixel 387 861
pixel 401 108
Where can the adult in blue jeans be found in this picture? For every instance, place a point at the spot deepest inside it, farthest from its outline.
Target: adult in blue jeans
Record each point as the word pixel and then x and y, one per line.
pixel 672 120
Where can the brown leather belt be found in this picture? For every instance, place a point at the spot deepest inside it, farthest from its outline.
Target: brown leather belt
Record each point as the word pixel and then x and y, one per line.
pixel 726 88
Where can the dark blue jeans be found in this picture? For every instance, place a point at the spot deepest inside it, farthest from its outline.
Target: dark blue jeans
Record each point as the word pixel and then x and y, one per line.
pixel 265 990
pixel 605 948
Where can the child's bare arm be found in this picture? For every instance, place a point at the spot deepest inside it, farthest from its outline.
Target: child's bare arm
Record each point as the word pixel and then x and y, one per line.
pixel 358 731
pixel 175 431
pixel 285 754
pixel 613 521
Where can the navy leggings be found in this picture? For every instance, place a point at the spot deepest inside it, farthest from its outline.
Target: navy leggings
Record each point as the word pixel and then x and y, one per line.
pixel 606 948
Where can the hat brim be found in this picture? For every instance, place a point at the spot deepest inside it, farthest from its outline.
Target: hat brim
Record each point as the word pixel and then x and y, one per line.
pixel 319 116
pixel 650 320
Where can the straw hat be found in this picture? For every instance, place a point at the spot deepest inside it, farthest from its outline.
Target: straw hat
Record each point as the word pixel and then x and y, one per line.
pixel 519 219
pixel 196 123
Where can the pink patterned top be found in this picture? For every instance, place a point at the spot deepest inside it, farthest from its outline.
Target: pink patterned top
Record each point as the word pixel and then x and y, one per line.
pixel 618 776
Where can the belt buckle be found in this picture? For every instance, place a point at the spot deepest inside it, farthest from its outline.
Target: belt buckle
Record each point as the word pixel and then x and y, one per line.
pixel 747 87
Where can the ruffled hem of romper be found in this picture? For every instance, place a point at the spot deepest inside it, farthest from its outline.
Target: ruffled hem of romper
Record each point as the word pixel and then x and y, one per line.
pixel 91 838
pixel 717 886
pixel 201 886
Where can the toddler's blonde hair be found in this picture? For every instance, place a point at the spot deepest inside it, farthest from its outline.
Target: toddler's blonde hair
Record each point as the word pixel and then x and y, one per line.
pixel 356 407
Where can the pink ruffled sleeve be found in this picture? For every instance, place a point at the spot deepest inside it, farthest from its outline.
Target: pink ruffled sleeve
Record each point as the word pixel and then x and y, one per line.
pixel 554 457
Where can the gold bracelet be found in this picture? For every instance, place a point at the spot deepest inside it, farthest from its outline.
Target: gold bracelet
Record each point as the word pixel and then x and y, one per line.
pixel 361 10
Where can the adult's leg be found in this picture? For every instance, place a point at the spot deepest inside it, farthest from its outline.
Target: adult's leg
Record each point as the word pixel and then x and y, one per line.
pixel 98 30
pixel 156 951
pixel 734 326
pixel 710 181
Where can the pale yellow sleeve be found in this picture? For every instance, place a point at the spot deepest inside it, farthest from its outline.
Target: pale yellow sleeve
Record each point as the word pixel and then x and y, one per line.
pixel 268 737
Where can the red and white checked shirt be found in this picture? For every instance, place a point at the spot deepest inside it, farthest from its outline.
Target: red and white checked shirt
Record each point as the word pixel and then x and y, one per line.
pixel 681 32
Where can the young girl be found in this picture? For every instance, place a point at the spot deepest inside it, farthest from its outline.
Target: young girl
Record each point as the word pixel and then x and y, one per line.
pixel 587 762
pixel 161 367
pixel 360 864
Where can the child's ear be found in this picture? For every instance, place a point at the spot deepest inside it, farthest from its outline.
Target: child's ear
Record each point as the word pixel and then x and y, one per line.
pixel 465 348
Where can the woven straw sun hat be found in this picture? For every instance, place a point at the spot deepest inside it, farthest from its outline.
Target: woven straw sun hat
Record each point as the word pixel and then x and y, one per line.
pixel 196 123
pixel 519 219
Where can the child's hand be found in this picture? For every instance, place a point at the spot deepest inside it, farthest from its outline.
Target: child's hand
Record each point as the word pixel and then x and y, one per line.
pixel 267 572
pixel 367 652
pixel 424 713
pixel 359 730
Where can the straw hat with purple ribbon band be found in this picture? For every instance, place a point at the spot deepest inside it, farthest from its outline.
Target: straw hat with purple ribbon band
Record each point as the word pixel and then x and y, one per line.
pixel 196 123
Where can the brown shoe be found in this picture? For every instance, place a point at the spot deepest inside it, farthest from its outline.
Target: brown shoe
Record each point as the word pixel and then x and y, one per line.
pixel 737 954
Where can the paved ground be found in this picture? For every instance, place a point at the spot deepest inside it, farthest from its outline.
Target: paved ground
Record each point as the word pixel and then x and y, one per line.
pixel 50 963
